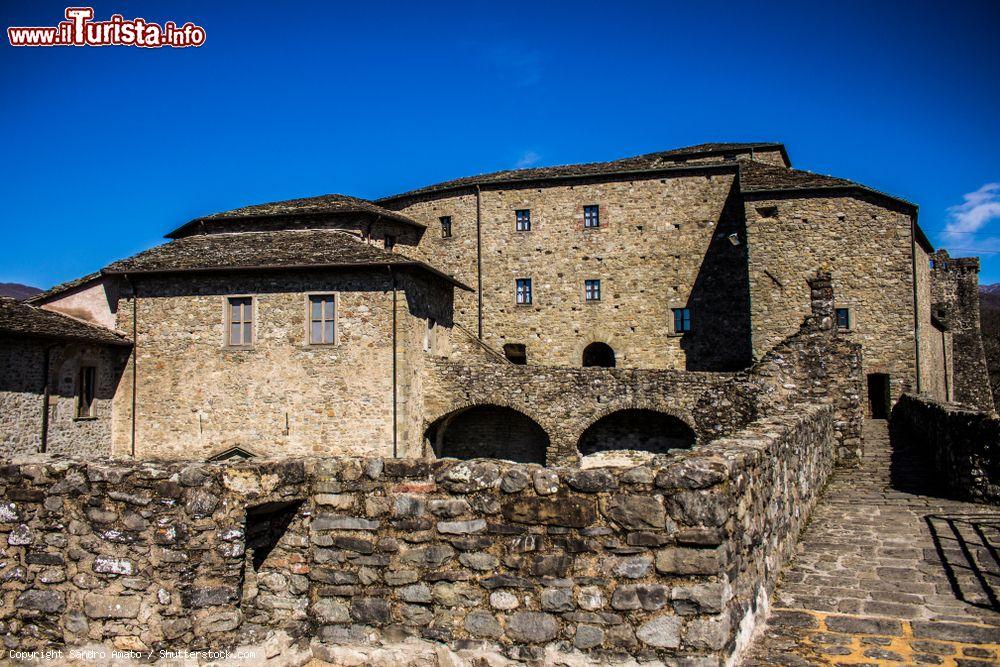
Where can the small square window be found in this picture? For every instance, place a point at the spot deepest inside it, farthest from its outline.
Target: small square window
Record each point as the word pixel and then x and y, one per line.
pixel 591 216
pixel 516 353
pixel 446 226
pixel 843 318
pixel 240 321
pixel 522 220
pixel 523 291
pixel 390 242
pixel 322 319
pixel 86 392
pixel 592 290
pixel 682 320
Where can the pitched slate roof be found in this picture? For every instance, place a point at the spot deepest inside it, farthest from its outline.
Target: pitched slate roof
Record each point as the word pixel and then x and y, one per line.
pixel 675 158
pixel 283 249
pixel 760 177
pixel 21 319
pixel 320 205
pixel 757 176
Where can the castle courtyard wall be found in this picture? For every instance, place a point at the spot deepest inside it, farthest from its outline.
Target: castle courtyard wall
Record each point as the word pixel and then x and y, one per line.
pixel 22 386
pixel 674 560
pixel 661 244
pixel 871 262
pixel 198 397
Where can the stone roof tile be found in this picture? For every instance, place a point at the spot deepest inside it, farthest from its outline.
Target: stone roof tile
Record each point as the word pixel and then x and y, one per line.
pixel 22 319
pixel 288 249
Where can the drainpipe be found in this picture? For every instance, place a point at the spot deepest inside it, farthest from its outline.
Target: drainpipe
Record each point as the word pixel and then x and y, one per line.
pixel 944 355
pixel 479 259
pixel 46 393
pixel 916 309
pixel 135 354
pixel 395 407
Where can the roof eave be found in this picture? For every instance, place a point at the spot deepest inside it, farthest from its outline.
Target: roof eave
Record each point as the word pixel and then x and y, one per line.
pixel 392 215
pixel 413 194
pixel 287 267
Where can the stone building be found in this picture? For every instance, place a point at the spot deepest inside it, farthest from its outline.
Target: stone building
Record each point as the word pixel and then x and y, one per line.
pixel 323 325
pixel 58 376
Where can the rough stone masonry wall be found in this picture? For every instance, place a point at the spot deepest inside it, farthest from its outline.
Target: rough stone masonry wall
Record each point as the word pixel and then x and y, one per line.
pixel 198 397
pixel 963 443
pixel 661 244
pixel 817 365
pixel 867 248
pixel 22 368
pixel 955 292
pixel 674 558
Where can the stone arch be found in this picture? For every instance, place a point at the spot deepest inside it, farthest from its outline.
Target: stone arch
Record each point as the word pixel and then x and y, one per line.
pixel 619 344
pixel 489 429
pixel 599 355
pixel 642 427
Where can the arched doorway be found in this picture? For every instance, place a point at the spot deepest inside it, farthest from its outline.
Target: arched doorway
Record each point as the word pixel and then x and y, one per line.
pixel 643 430
pixel 489 431
pixel 599 355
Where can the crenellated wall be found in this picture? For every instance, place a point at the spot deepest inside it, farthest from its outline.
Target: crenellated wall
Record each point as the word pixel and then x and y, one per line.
pixel 671 559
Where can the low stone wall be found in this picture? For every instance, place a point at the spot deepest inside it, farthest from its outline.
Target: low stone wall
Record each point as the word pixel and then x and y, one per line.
pixel 673 559
pixel 963 443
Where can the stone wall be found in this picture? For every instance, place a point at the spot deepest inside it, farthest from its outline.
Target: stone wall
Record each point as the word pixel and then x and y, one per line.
pixel 671 560
pixel 22 386
pixel 867 248
pixel 818 364
pixel 955 295
pixel 197 397
pixel 963 443
pixel 662 244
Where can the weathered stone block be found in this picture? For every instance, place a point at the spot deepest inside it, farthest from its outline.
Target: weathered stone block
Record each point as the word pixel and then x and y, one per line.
pixel 532 627
pixel 111 606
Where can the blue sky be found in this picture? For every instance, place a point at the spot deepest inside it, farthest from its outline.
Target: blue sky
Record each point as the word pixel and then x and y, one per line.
pixel 107 149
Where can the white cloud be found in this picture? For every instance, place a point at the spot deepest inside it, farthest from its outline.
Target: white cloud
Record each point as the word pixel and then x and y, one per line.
pixel 527 159
pixel 972 215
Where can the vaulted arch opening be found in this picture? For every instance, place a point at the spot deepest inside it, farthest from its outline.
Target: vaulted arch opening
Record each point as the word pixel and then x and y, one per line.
pixel 600 355
pixel 488 431
pixel 638 429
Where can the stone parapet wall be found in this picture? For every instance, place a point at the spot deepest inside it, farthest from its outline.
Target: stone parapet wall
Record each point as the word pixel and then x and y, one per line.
pixel 963 443
pixel 670 559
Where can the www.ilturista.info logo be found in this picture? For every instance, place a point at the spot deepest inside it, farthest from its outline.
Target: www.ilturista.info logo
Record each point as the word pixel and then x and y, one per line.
pixel 79 29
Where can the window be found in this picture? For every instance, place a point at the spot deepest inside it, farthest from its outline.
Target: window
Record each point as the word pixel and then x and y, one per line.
pixel 240 321
pixel 85 395
pixel 523 291
pixel 321 319
pixel 591 216
pixel 516 353
pixel 446 226
pixel 682 320
pixel 522 220
pixel 592 290
pixel 390 242
pixel 843 318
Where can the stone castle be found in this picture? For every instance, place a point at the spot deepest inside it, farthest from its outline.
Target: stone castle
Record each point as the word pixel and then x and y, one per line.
pixel 647 370
pixel 317 326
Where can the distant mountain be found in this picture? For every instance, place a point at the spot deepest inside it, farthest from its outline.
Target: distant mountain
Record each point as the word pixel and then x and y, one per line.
pixel 989 295
pixel 17 290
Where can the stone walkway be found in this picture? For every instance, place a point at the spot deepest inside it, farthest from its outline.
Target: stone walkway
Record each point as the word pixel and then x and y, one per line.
pixel 888 573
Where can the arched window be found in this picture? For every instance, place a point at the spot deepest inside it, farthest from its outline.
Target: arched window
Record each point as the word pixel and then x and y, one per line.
pixel 599 354
pixel 643 430
pixel 489 431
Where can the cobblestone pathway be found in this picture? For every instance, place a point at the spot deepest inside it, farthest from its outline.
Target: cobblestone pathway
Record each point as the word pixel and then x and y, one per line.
pixel 889 573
